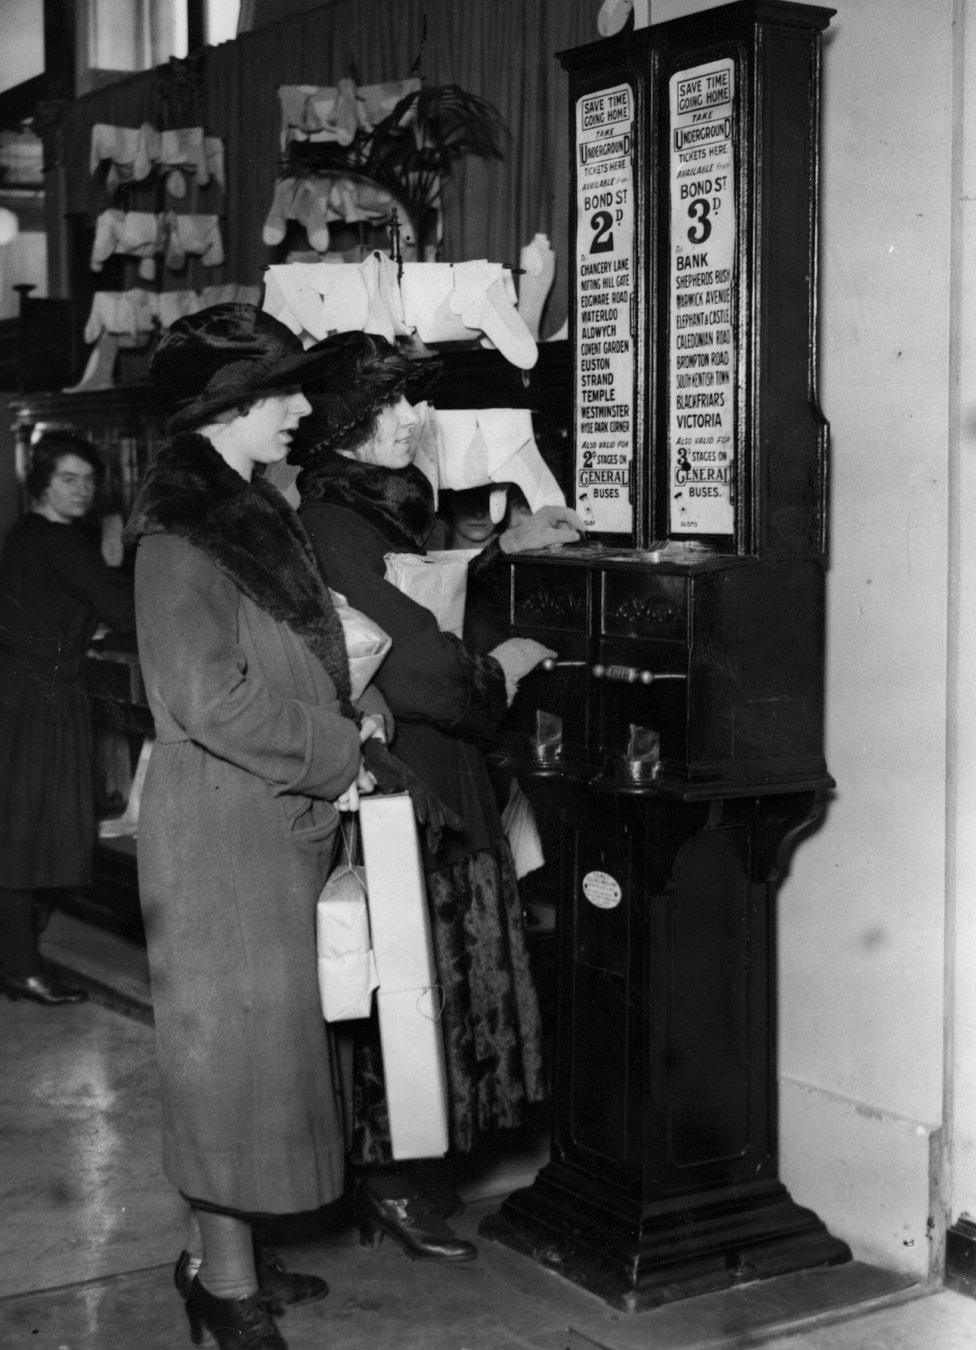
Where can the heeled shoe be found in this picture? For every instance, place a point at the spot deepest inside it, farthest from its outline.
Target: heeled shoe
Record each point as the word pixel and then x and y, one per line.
pixel 421 1233
pixel 234 1323
pixel 42 988
pixel 288 1288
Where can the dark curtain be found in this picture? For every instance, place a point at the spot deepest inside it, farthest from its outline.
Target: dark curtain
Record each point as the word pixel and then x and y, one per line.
pixel 502 50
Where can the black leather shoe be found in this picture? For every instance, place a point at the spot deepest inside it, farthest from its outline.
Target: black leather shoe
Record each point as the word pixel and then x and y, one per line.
pixel 289 1289
pixel 46 989
pixel 234 1323
pixel 421 1233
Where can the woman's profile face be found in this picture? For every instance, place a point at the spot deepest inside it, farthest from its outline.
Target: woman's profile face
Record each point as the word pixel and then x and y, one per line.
pixel 70 492
pixel 263 434
pixel 393 442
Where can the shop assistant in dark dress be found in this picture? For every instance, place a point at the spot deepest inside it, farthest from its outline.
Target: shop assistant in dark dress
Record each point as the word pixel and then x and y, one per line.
pixel 55 589
pixel 361 499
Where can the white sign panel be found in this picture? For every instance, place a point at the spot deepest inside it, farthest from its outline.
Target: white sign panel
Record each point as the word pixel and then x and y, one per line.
pixel 604 308
pixel 702 348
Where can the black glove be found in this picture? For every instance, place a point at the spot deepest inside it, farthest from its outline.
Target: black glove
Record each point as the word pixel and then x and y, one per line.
pixel 392 775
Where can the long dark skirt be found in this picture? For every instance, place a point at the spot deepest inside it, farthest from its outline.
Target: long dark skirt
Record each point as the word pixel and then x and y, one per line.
pixel 492 1030
pixel 47 813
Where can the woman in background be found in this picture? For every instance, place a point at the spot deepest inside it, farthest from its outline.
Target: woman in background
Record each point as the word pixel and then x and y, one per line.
pixel 467 514
pixel 55 589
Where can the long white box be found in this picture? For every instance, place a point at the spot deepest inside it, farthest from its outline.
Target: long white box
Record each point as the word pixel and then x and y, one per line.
pixel 408 998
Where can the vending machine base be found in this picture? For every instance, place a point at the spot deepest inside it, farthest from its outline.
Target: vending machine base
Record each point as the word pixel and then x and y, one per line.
pixel 637 1258
pixel 663 1177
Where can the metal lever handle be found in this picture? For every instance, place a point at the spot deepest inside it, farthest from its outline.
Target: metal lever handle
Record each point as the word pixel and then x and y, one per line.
pixel 633 675
pixel 624 674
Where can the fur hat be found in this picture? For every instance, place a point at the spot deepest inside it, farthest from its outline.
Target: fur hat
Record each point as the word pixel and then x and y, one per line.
pixel 361 374
pixel 226 355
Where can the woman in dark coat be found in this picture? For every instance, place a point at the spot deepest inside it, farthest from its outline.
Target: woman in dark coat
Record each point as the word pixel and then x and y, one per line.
pixel 257 749
pixel 361 498
pixel 54 591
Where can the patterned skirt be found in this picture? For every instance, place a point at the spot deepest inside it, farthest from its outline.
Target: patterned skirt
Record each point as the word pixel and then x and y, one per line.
pixel 492 1030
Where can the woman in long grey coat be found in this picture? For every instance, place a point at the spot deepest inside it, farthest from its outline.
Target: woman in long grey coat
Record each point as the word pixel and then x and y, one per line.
pixel 257 748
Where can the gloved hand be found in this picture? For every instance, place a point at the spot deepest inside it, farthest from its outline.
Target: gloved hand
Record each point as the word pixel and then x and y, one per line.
pixel 392 775
pixel 549 526
pixel 517 656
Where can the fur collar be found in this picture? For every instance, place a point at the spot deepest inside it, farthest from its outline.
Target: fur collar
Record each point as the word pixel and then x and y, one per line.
pixel 250 532
pixel 397 502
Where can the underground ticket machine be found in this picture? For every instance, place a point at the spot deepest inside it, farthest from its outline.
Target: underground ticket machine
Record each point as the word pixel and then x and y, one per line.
pixel 676 744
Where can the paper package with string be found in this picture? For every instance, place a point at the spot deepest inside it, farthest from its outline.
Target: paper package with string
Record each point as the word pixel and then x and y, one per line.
pixel 346 966
pixel 437 580
pixel 366 644
pixel 409 998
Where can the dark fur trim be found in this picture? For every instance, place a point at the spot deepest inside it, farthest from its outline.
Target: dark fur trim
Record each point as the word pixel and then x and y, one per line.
pixel 398 502
pixel 249 531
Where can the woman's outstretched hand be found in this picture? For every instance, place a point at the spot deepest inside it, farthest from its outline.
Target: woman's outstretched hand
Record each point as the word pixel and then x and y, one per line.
pixel 548 527
pixel 517 656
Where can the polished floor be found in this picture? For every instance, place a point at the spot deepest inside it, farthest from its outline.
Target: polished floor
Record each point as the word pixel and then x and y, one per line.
pixel 90 1230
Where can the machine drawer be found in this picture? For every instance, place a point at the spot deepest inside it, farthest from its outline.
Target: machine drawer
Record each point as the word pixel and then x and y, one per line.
pixel 550 598
pixel 645 606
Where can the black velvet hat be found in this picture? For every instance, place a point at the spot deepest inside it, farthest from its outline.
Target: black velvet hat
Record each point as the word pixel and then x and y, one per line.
pixel 360 374
pixel 225 355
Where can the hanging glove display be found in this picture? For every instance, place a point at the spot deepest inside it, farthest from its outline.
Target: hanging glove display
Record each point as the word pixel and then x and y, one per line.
pixel 130 150
pixel 139 234
pixel 392 775
pixel 181 152
pixel 194 235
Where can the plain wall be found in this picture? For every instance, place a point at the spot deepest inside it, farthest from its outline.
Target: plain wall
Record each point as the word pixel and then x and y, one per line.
pixel 868 920
pixel 961 872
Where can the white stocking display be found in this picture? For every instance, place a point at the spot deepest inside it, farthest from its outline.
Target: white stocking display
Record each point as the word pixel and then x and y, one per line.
pixel 439 302
pixel 479 446
pixel 538 264
pixel 484 297
pixel 426 291
pixel 612 16
pixel 316 299
pixel 128 822
pixel 100 369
